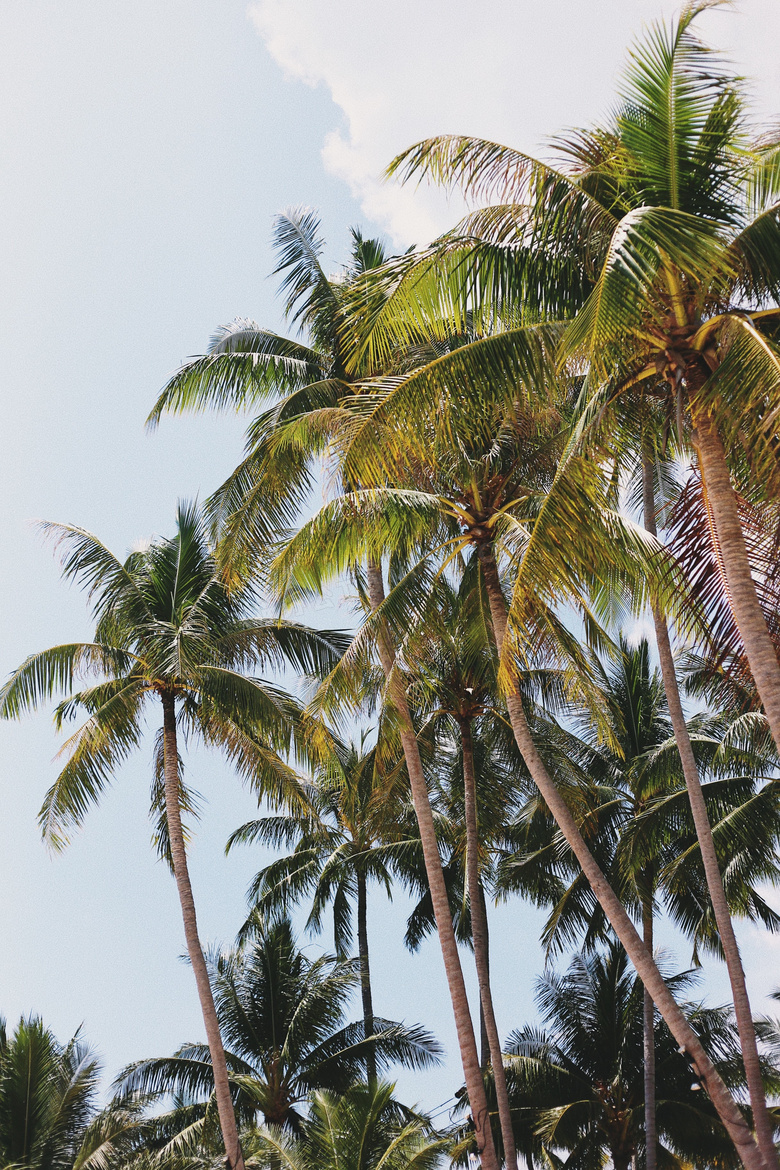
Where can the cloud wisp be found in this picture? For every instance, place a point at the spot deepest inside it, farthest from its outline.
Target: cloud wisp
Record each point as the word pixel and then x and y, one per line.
pixel 513 71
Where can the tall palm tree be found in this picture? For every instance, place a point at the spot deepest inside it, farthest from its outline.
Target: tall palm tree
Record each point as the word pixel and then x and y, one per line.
pixel 709 856
pixel 319 399
pixel 456 487
pixel 168 630
pixel 677 211
pixel 666 223
pixel 282 1016
pixel 453 685
pixel 342 842
pixel 362 1129
pixel 635 816
pixel 577 1083
pixel 661 232
pixel 49 1116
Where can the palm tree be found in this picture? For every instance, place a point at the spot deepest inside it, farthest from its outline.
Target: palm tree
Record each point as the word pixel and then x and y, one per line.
pixel 665 223
pixel 319 399
pixel 168 629
pixel 715 884
pixel 341 844
pixel 361 1129
pixel 677 215
pixel 638 823
pixel 49 1118
pixel 577 1084
pixel 476 474
pixel 453 686
pixel 661 232
pixel 282 1016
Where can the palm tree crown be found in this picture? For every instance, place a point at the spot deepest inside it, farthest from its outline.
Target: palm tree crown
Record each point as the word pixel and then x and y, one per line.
pixel 282 1018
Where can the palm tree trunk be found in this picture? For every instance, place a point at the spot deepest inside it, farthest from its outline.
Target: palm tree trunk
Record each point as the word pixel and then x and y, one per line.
pixel 479 934
pixel 744 1016
pixel 753 631
pixel 365 976
pixel 484 1043
pixel 227 1117
pixel 648 1037
pixel 472 1072
pixel 622 925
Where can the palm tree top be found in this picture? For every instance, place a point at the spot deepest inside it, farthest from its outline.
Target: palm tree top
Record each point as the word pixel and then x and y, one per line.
pixel 167 626
pixel 282 1016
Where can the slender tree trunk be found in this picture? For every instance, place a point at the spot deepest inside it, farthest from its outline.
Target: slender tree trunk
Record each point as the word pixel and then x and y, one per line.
pixel 479 934
pixel 365 976
pixel 484 1043
pixel 648 1029
pixel 227 1116
pixel 744 1016
pixel 759 647
pixel 642 960
pixel 460 1005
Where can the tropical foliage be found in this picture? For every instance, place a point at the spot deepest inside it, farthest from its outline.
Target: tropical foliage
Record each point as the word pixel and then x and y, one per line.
pixel 554 424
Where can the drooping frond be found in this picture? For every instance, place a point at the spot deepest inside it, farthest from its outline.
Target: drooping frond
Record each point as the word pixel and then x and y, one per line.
pixel 245 365
pixel 42 675
pixel 94 753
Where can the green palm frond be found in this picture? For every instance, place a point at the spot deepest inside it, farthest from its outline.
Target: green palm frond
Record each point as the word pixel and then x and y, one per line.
pixel 679 117
pixel 245 365
pixel 470 383
pixel 480 168
pixel 86 559
pixel 94 753
pixel 346 531
pixel 306 288
pixel 624 299
pixel 42 675
pixel 278 643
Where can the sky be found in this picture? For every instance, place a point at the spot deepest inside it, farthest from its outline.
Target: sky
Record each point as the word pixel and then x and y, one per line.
pixel 144 150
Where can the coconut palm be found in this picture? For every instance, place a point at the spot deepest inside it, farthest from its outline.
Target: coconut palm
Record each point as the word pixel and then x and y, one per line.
pixel 282 1017
pixel 577 1082
pixel 661 232
pixel 478 475
pixel 362 1129
pixel 168 632
pixel 49 1116
pixel 666 221
pixel 677 211
pixel 342 843
pixel 319 400
pixel 638 823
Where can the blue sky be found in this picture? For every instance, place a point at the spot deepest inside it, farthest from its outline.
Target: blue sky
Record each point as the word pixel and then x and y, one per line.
pixel 145 149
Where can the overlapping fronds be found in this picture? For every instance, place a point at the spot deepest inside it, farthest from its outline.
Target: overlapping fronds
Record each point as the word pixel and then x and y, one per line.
pixel 626 300
pixel 245 365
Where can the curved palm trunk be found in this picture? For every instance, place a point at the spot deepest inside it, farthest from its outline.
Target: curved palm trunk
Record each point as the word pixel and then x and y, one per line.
pixel 642 960
pixel 227 1117
pixel 759 647
pixel 479 934
pixel 648 1041
pixel 460 1005
pixel 744 1016
pixel 365 976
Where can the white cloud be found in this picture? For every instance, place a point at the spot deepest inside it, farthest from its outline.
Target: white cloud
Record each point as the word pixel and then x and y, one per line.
pixel 512 70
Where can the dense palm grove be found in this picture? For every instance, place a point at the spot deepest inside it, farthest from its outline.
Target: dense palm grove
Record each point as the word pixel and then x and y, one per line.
pixel 552 427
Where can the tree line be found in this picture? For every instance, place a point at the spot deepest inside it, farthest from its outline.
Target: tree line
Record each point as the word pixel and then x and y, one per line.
pixel 559 417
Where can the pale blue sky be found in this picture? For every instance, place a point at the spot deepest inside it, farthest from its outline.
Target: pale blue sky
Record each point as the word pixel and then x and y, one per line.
pixel 144 148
